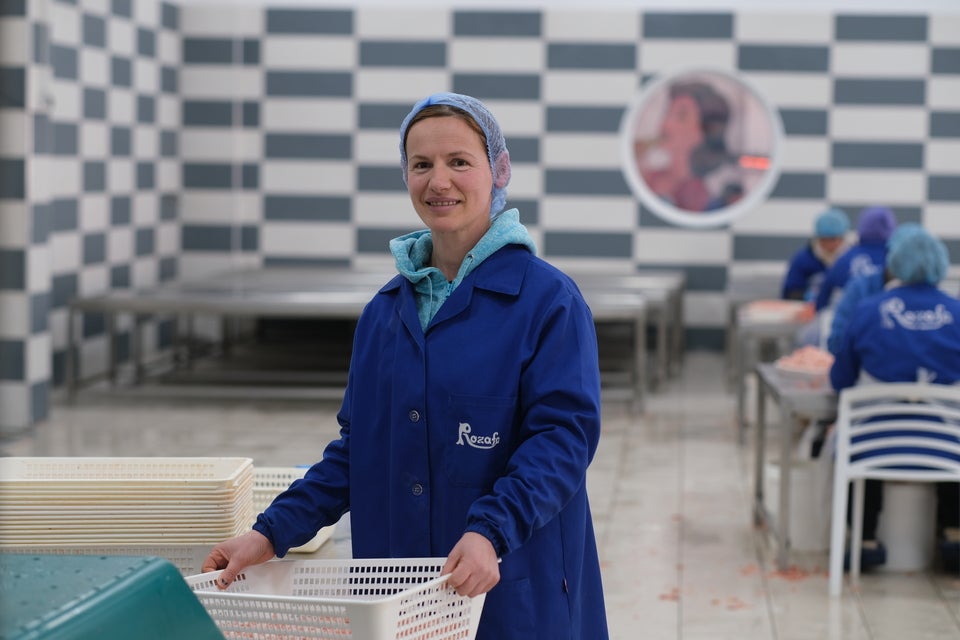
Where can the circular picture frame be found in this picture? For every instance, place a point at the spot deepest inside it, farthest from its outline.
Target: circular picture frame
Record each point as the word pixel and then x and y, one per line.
pixel 700 146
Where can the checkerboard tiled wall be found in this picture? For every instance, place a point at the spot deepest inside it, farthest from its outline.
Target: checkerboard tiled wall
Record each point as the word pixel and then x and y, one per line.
pixel 146 140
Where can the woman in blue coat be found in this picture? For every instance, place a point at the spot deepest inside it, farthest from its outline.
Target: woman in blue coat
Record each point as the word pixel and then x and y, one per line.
pixel 908 333
pixel 807 266
pixel 472 408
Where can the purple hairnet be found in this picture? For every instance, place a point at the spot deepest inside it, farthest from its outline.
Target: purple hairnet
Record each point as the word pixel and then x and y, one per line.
pixel 876 224
pixel 497 153
pixel 918 257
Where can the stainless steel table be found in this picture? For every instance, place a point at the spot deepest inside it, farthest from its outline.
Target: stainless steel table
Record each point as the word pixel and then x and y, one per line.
pixel 796 403
pixel 285 292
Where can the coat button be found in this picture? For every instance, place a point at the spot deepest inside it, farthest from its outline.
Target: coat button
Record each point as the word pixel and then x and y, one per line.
pixel 414 415
pixel 417 489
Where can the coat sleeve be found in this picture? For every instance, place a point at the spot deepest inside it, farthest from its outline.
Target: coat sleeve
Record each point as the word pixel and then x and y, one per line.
pixel 846 362
pixel 795 282
pixel 853 294
pixel 559 433
pixel 830 280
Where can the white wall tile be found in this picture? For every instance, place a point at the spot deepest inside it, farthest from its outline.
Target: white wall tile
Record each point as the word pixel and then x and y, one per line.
pixel 668 55
pixel 168 239
pixel 308 177
pixel 783 27
pixel 682 246
pixel 793 91
pixel 64 24
pixel 944 29
pixel 379 147
pixel 94 212
pixel 15 400
pixel 305 52
pixel 704 309
pixel 309 114
pixel 590 24
pixel 206 207
pixel 94 67
pixel 119 245
pixel 606 87
pixel 311 240
pixel 67 101
pixel 143 273
pixel 384 210
pixel 210 144
pixel 64 177
pixel 390 86
pixel 572 150
pixel 520 55
pixel 943 92
pixel 146 75
pixel 14 129
pixel 588 213
pixel 121 106
pixel 780 217
pixel 525 181
pixel 805 154
pixel 884 60
pixel 216 82
pixel 14 315
pixel 144 209
pixel 943 156
pixel 65 253
pixel 14 42
pixel 517 118
pixel 169 46
pixel 93 279
pixel 406 23
pixel 876 123
pixel 15 224
pixel 221 19
pixel 121 37
pixel 94 139
pixel 942 220
pixel 890 187
pixel 120 175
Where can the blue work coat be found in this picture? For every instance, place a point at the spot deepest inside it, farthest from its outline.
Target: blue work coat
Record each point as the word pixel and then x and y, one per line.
pixel 486 422
pixel 859 260
pixel 803 275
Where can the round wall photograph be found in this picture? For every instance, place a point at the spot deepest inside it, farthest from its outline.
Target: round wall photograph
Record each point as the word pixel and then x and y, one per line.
pixel 700 147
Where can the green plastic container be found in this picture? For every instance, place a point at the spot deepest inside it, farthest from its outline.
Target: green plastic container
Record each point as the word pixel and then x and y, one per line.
pixel 61 597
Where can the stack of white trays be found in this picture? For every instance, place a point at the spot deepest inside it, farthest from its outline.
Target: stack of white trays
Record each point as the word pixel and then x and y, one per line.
pixel 118 505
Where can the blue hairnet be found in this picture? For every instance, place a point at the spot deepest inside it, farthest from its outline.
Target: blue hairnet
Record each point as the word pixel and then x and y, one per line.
pixel 497 152
pixel 832 223
pixel 876 224
pixel 902 231
pixel 918 257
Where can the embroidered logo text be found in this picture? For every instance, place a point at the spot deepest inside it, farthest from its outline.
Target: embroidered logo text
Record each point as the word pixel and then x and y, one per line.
pixel 477 442
pixel 894 311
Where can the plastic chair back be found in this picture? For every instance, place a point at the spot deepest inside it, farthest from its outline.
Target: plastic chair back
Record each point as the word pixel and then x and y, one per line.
pixel 889 431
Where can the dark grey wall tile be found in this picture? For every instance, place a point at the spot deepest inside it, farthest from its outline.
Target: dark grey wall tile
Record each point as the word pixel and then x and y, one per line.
pixel 800 185
pixel 66 214
pixel 121 141
pixel 13 270
pixel 310 21
pixel 529 209
pixel 647 219
pixel 308 146
pixel 197 237
pixel 711 278
pixel 902 214
pixel 120 276
pixel 687 25
pixel 879 91
pixel 39 401
pixel 41 43
pixel 169 79
pixel 587 244
pixel 169 15
pixel 250 114
pixel 146 175
pixel 168 143
pixel 521 86
pixel 945 124
pixel 497 24
pixel 249 238
pixel 945 60
pixel 65 139
pixel 12 179
pixel 702 338
pixel 146 42
pixel 403 54
pixel 144 241
pixel 584 119
pixel 42 215
pixel 94 175
pixel 305 262
pixel 169 206
pixel 804 122
pixel 207 113
pixel 199 175
pixel 13 8
pixel 371 240
pixel 591 56
pixel 64 62
pixel 12 360
pixel 880 155
pixel 766 247
pixel 94 103
pixel 207 50
pixel 146 109
pixel 167 269
pixel 250 51
pixel 309 83
pixel 524 149
pixel 13 88
pixel 121 72
pixel 94 31
pixel 42 134
pixel 783 58
pixel 867 27
pixel 59 367
pixel 249 176
pixel 93 324
pixel 382 116
pixel 606 182
pixel 39 313
pixel 63 289
pixel 94 248
pixel 120 210
pixel 943 188
pixel 380 179
pixel 314 208
pixel 122 8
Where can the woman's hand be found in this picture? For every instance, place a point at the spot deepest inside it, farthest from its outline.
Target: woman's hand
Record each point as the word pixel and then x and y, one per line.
pixel 236 554
pixel 473 565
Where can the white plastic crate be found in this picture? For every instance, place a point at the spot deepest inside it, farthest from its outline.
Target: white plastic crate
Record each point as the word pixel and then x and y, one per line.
pixel 187 558
pixel 380 599
pixel 268 483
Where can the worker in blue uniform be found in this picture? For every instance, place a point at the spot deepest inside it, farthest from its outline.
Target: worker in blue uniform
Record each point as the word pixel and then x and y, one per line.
pixel 472 408
pixel 807 266
pixel 907 333
pixel 874 227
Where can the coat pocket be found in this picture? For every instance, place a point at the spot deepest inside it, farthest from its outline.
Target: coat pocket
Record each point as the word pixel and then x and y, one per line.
pixel 476 453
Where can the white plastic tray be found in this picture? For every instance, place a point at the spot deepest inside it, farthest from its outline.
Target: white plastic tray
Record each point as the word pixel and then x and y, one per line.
pixel 336 599
pixel 268 483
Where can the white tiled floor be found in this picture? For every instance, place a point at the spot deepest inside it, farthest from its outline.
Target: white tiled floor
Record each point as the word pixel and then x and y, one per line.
pixel 671 493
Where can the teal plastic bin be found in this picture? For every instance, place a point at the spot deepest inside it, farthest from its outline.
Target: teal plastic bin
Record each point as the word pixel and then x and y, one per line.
pixel 61 597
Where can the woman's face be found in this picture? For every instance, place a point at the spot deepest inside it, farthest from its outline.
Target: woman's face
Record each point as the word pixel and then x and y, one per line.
pixel 681 127
pixel 448 176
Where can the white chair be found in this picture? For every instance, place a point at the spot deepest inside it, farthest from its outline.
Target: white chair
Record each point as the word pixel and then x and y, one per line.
pixel 888 431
